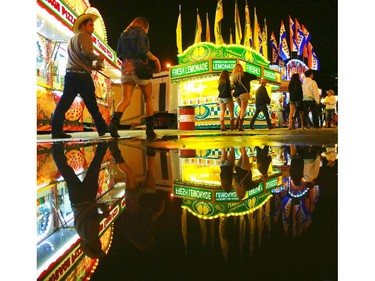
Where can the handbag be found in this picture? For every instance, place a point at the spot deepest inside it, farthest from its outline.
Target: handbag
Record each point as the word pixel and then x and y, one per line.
pixel 144 69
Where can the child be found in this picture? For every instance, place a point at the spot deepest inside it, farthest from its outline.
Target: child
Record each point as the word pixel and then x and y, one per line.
pixel 280 110
pixel 330 103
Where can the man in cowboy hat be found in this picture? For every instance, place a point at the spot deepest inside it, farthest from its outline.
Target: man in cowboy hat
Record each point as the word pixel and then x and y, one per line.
pixel 78 78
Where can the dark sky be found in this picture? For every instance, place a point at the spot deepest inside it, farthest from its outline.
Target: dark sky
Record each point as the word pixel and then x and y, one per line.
pixel 319 17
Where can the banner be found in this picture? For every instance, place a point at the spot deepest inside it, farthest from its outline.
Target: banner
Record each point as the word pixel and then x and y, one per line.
pixel 237 24
pixel 219 15
pixel 248 36
pixel 313 61
pixel 179 33
pixel 198 30
pixel 307 36
pixel 299 38
pixel 256 45
pixel 264 40
pixel 208 35
pixel 274 48
pixel 283 47
pixel 293 43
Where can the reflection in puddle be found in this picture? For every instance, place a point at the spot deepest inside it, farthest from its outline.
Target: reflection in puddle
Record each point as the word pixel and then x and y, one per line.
pixel 230 212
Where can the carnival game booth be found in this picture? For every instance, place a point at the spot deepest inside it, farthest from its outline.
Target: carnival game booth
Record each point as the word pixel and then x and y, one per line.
pixel 54 29
pixel 59 252
pixel 197 74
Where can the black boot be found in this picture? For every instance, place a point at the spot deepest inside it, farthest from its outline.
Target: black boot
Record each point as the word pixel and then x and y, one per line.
pixel 115 152
pixel 114 124
pixel 150 134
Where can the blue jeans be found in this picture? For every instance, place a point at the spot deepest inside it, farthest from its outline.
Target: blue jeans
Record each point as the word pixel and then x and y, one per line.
pixel 330 116
pixel 83 85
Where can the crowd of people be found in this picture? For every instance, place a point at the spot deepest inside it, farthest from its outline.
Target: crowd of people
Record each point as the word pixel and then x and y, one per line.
pixel 306 107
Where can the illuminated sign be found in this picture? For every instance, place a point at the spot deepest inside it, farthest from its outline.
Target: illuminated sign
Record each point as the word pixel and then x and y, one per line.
pixel 193 193
pixel 253 69
pixel 255 191
pixel 222 196
pixel 190 69
pixel 273 183
pixel 271 75
pixel 225 64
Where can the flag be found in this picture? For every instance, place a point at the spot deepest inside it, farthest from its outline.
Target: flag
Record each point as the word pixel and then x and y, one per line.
pixel 256 32
pixel 313 61
pixel 219 15
pixel 237 24
pixel 293 43
pixel 283 44
pixel 208 36
pixel 179 32
pixel 274 47
pixel 198 29
pixel 230 36
pixel 307 36
pixel 247 32
pixel 264 40
pixel 300 38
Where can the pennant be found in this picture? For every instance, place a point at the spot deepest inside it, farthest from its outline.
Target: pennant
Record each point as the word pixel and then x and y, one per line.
pixel 283 47
pixel 208 35
pixel 219 15
pixel 274 48
pixel 264 40
pixel 247 42
pixel 299 38
pixel 179 32
pixel 307 36
pixel 256 45
pixel 293 43
pixel 198 29
pixel 237 24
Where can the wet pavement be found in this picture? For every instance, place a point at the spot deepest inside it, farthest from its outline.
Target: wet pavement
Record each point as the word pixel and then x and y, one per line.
pixel 191 205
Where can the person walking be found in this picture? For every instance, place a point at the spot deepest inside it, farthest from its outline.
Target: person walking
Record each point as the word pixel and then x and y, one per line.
pixel 240 81
pixel 133 49
pixel 225 99
pixel 295 100
pixel 78 78
pixel 330 103
pixel 87 210
pixel 262 99
pixel 311 99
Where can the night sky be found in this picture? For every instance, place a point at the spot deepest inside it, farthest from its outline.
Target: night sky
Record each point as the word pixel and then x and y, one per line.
pixel 319 17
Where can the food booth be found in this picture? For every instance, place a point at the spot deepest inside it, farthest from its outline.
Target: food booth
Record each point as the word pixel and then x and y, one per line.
pixel 196 77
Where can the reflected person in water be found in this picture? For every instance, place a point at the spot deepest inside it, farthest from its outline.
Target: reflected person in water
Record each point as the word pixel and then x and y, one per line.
pixel 263 160
pixel 143 204
pixel 244 175
pixel 88 213
pixel 227 168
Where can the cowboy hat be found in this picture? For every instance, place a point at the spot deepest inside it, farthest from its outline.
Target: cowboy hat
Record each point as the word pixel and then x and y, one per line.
pixel 330 91
pixel 82 18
